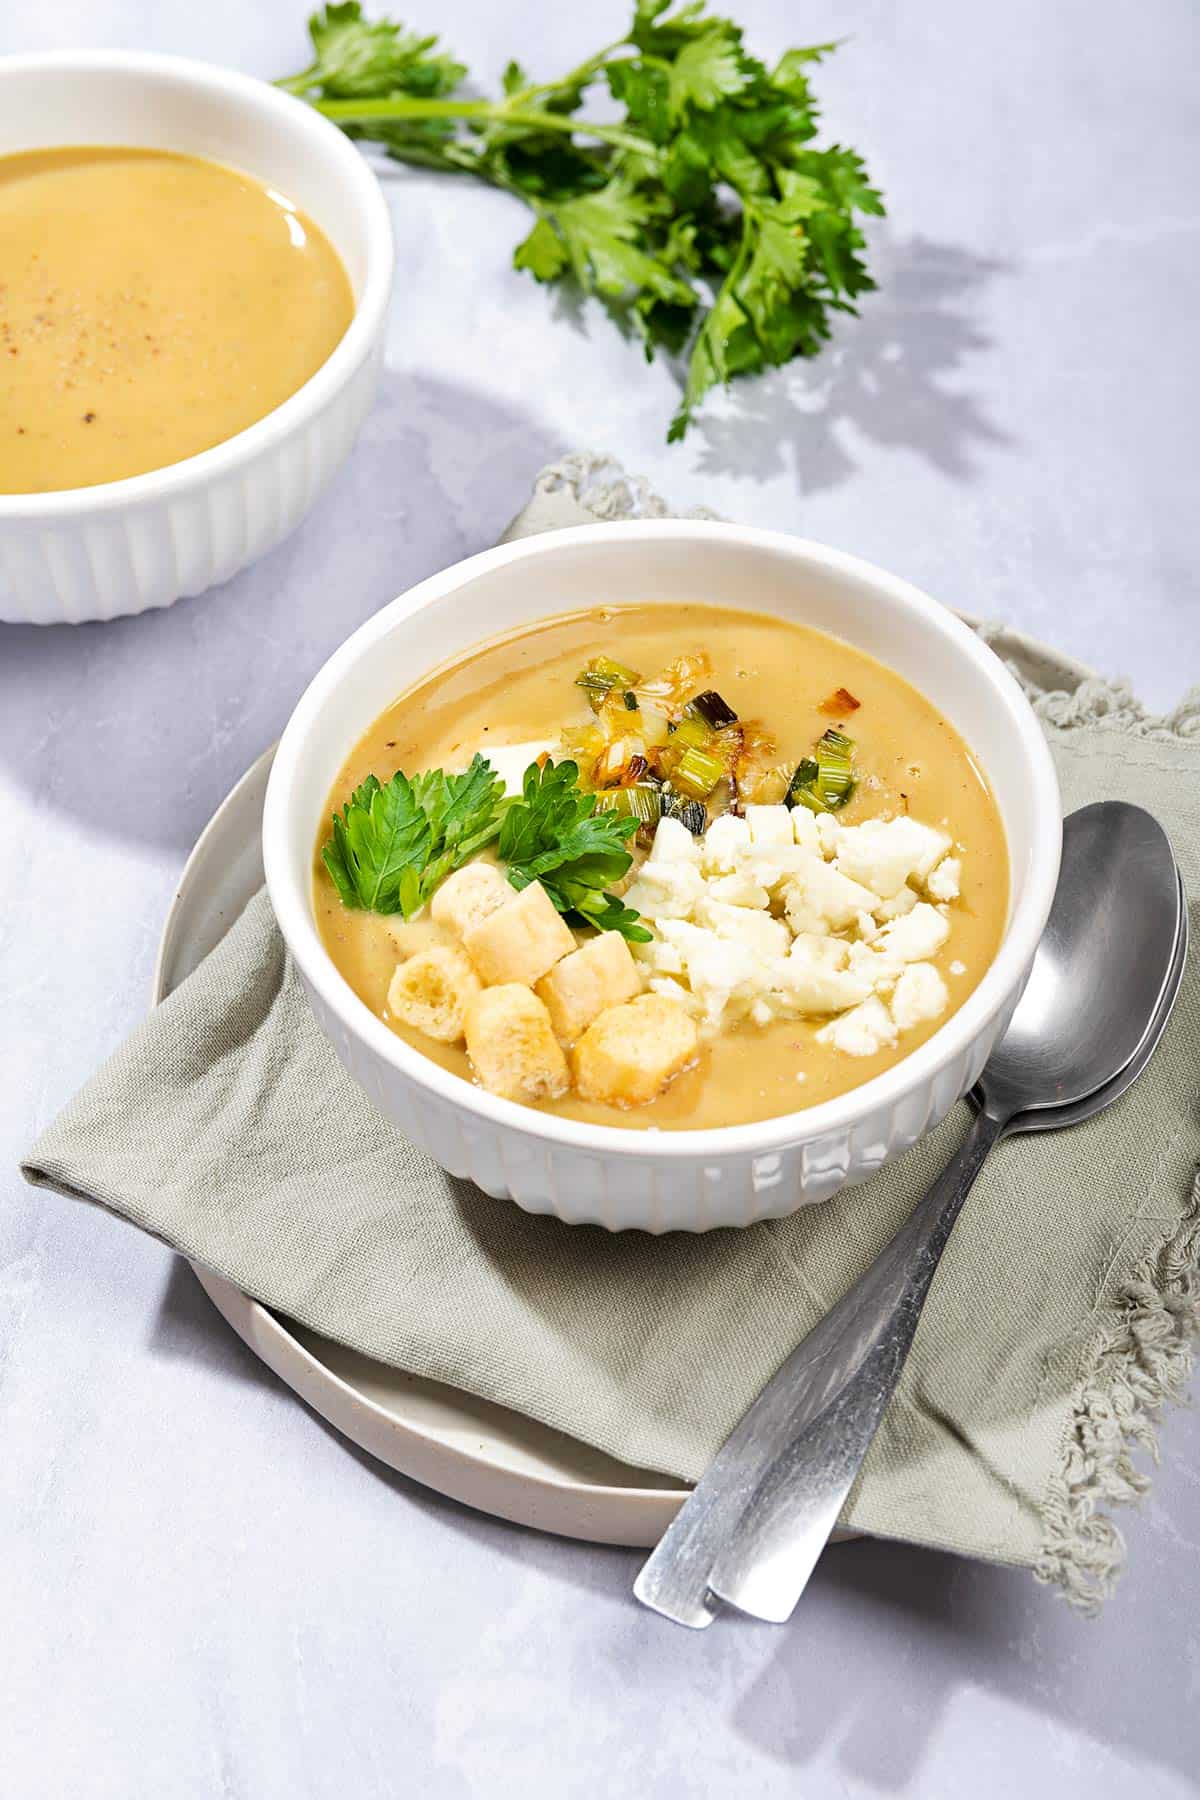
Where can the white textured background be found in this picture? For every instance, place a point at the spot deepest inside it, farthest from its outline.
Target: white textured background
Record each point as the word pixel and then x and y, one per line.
pixel 202 1591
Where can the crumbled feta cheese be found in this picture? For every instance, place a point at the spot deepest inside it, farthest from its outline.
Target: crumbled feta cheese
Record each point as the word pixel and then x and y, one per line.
pixel 828 833
pixel 724 844
pixel 673 843
pixel 919 935
pixel 809 984
pixel 721 972
pixel 804 829
pixel 769 825
pixel 919 994
pixel 943 882
pixel 862 1031
pixel 660 957
pixel 763 934
pixel 854 939
pixel 739 889
pixel 666 890
pixel 884 854
pixel 820 895
pixel 898 905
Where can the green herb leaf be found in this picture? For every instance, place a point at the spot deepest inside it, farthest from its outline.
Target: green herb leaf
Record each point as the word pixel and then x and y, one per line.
pixel 391 846
pixel 706 71
pixel 356 58
pixel 554 834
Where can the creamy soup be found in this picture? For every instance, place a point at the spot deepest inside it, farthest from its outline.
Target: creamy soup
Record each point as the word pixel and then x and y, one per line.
pixel 151 305
pixel 794 684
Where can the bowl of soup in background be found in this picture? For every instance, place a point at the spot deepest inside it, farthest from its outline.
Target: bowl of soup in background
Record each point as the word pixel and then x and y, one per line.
pixel 124 545
pixel 734 1174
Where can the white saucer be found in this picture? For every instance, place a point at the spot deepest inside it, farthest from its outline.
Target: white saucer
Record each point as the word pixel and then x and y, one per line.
pixel 484 1455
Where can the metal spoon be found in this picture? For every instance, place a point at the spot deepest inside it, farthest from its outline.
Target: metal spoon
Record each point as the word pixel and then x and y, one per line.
pixel 1102 986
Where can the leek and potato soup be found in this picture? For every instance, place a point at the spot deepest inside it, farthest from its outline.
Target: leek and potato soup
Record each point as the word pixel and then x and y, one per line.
pixel 151 305
pixel 662 866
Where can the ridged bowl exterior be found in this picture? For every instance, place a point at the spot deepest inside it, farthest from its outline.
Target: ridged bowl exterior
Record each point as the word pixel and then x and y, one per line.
pixel 126 546
pixel 621 1191
pixel 131 558
pixel 618 1177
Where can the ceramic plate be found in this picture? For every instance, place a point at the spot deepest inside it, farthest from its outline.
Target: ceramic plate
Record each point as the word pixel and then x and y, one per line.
pixel 476 1452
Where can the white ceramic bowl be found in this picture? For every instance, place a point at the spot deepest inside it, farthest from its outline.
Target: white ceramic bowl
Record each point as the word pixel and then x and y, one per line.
pixel 689 1180
pixel 97 552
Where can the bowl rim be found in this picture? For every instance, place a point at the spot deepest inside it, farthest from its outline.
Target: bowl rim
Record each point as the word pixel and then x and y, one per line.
pixel 355 345
pixel 920 1068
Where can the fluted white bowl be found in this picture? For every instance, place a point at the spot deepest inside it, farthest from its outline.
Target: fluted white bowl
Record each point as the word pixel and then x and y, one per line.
pixel 125 546
pixel 667 1180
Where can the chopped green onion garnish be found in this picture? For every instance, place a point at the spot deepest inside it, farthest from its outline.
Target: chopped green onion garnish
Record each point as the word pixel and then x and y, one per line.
pixel 693 731
pixel 690 813
pixel 715 711
pixel 641 802
pixel 697 773
pixel 601 676
pixel 824 783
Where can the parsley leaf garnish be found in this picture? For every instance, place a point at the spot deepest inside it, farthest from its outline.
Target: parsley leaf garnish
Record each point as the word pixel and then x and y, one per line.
pixel 553 834
pixel 705 219
pixel 392 845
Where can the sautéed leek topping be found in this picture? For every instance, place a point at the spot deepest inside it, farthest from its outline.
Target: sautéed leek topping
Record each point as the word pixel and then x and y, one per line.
pixel 655 884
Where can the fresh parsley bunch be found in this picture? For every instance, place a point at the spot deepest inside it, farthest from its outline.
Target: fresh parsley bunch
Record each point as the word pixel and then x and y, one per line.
pixel 391 845
pixel 706 217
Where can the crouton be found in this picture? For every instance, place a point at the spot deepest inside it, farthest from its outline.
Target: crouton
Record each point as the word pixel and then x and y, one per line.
pixel 601 973
pixel 469 896
pixel 511 1042
pixel 520 941
pixel 431 991
pixel 630 1053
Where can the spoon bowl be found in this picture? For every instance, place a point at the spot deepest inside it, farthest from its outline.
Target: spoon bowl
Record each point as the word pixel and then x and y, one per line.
pixel 1101 968
pixel 1055 1118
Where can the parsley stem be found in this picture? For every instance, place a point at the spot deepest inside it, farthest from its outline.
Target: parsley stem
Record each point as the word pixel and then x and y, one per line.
pixel 578 78
pixel 400 107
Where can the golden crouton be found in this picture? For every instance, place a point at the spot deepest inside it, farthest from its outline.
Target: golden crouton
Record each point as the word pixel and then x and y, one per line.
pixel 512 1044
pixel 601 973
pixel 430 992
pixel 468 896
pixel 630 1053
pixel 520 941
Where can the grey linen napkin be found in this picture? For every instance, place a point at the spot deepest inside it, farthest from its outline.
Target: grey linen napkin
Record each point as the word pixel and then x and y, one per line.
pixel 1058 1326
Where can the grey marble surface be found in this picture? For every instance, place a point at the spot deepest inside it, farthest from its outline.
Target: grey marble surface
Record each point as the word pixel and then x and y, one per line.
pixel 204 1592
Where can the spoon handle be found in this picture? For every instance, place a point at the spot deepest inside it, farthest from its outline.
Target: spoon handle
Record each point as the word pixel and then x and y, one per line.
pixel 761 1514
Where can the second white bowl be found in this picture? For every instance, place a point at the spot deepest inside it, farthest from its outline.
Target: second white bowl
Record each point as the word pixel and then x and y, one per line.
pixel 97 552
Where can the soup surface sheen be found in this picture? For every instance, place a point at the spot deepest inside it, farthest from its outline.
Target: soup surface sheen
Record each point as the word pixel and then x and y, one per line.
pixel 151 306
pixel 521 688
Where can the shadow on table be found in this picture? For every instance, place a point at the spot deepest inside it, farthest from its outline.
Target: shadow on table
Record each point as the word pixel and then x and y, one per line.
pixel 886 1640
pixel 894 376
pixel 139 727
pixel 188 1326
pixel 912 1630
